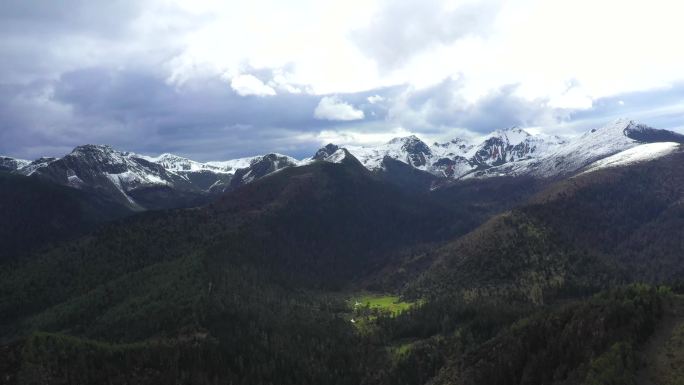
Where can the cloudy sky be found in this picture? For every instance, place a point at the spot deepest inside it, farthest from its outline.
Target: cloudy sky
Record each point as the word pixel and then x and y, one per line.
pixel 223 79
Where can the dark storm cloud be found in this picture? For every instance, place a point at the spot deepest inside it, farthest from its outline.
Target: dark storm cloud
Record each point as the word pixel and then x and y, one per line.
pixel 38 38
pixel 140 111
pixel 50 18
pixel 132 97
pixel 41 39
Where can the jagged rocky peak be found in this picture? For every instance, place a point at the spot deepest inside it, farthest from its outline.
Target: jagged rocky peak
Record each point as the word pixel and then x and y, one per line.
pixel 646 134
pixel 417 152
pixel 330 153
pixel 448 154
pixel 501 146
pixel 325 151
pixel 609 139
pixel 511 135
pixel 35 165
pixel 412 144
pixel 458 142
pixel 262 166
pixel 12 164
pixel 103 158
pixel 280 159
pixel 622 127
pixel 94 150
pixel 173 162
pixel 338 156
pixel 271 162
pixel 623 133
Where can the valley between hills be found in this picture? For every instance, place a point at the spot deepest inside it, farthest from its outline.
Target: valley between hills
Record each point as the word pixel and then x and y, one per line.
pixel 517 260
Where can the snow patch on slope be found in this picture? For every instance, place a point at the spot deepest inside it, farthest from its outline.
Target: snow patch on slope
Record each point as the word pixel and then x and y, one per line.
pixel 13 164
pixel 30 168
pixel 641 153
pixel 409 150
pixel 337 156
pixel 590 147
pixel 230 166
pixel 177 163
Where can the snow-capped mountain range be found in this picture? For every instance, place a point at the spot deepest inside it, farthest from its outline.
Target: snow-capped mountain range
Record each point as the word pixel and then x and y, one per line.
pixel 138 180
pixel 515 152
pixel 142 182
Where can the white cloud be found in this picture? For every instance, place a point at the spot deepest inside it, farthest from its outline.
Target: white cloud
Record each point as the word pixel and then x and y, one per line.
pixel 283 82
pixel 573 98
pixel 332 108
pixel 375 99
pixel 330 47
pixel 247 84
pixel 360 138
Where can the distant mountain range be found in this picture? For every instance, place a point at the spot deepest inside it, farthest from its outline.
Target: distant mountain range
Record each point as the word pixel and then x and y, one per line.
pixel 166 181
pixel 142 182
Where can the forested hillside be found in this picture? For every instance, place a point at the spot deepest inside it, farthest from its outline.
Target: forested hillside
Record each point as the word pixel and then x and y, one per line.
pixel 35 214
pixel 256 288
pixel 580 235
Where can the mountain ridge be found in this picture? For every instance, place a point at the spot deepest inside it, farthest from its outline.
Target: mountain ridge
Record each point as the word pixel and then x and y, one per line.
pixel 165 181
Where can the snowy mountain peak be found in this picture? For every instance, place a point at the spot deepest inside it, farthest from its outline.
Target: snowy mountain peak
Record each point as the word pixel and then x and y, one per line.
pixel 337 157
pixel 404 139
pixel 506 145
pixel 168 158
pixel 617 131
pixel 177 163
pixel 616 126
pixel 456 146
pixel 326 151
pixel 645 134
pixel 633 130
pixel 409 149
pixel 102 157
pixel 30 168
pixel 623 121
pixel 12 164
pixel 615 137
pixel 86 149
pixel 515 129
pixel 260 166
pixel 511 135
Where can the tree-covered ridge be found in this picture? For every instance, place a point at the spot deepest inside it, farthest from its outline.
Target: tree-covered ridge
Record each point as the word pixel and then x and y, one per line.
pixel 300 338
pixel 590 342
pixel 575 237
pixel 35 214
